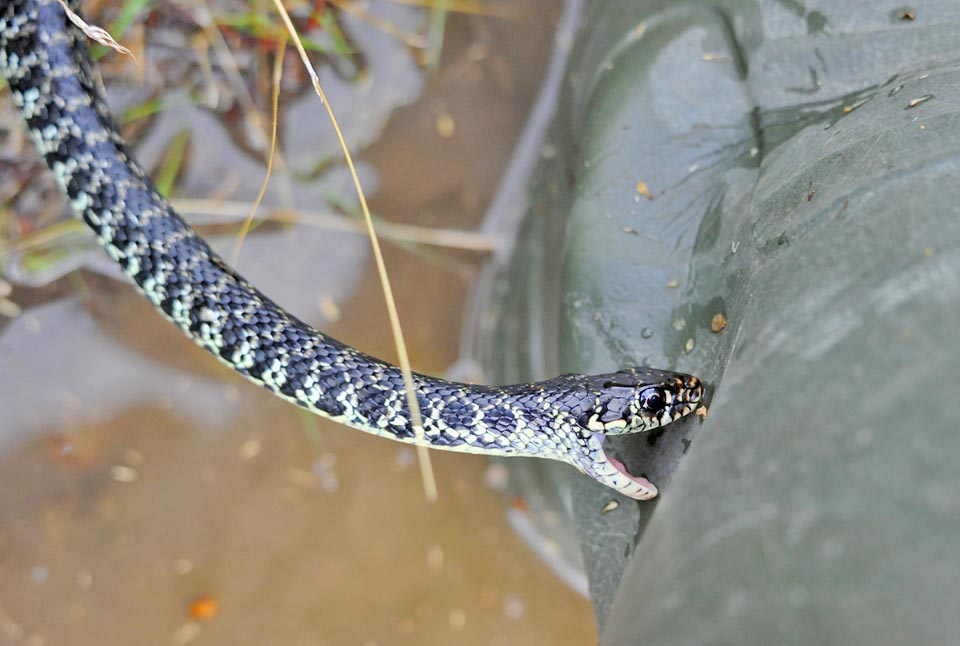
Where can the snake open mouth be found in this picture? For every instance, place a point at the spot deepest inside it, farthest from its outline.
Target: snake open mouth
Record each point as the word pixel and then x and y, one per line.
pixel 618 465
pixel 643 482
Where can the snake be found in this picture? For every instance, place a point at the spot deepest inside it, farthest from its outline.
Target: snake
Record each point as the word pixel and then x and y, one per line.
pixel 45 61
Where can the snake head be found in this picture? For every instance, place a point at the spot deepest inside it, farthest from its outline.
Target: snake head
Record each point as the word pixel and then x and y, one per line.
pixel 630 401
pixel 639 399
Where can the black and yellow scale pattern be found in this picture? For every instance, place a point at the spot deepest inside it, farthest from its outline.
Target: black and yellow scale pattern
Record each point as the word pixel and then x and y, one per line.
pixel 45 62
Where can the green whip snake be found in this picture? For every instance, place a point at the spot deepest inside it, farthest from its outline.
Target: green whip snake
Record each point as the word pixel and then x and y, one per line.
pixel 45 62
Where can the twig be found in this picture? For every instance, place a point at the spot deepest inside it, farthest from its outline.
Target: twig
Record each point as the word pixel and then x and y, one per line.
pixel 426 470
pixel 248 222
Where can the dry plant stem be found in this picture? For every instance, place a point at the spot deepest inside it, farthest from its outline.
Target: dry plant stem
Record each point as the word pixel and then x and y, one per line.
pixel 426 470
pixel 475 7
pixel 95 33
pixel 415 41
pixel 446 238
pixel 248 222
pixel 230 66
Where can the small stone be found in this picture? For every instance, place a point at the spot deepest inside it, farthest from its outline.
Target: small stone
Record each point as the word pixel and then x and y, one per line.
pixel 458 618
pixel 250 449
pixel 122 473
pixel 204 608
pixel 446 126
pixel 183 566
pixel 718 322
pixel 187 633
pixel 514 607
pixel 496 477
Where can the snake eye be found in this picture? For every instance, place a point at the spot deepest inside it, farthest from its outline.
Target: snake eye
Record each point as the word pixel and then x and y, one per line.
pixel 652 400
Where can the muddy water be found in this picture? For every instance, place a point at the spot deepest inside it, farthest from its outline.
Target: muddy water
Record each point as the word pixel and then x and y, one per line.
pixel 149 496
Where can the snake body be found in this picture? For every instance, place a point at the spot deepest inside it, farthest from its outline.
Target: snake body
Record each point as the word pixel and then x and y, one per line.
pixel 45 62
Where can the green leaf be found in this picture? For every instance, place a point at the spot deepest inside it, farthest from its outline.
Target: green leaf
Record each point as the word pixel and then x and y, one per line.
pixel 171 164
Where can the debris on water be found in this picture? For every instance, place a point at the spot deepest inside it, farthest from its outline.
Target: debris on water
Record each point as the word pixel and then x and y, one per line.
pixel 404 458
pixel 186 633
pixel 204 608
pixel 678 324
pixel 552 547
pixel 734 246
pixel 446 126
pixel 688 346
pixel 847 109
pixel 39 574
pixel 123 473
pixel 718 322
pixel 496 477
pixel 610 506
pixel 329 309
pixel 33 325
pixel 514 607
pixel 673 284
pixel 920 100
pixel 435 558
pixel 250 449
pixel 183 566
pixel 895 90
pixel 644 191
pixel 9 309
pixel 714 58
pixel 458 618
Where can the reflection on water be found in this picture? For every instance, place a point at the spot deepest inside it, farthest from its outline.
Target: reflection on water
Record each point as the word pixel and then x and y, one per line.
pixel 149 496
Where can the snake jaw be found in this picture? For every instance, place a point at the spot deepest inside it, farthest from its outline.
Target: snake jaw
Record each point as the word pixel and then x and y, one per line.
pixel 634 400
pixel 612 473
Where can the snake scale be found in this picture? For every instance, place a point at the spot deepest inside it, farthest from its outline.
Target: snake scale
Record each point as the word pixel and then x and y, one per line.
pixel 45 62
